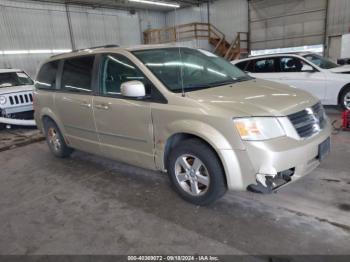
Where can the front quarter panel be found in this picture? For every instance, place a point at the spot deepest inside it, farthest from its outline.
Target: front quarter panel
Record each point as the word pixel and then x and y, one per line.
pixel 217 131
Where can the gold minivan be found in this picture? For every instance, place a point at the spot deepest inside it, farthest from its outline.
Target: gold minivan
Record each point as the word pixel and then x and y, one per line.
pixel 183 111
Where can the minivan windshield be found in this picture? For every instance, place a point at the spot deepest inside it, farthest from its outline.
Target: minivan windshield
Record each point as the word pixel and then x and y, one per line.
pixel 9 79
pixel 190 69
pixel 320 61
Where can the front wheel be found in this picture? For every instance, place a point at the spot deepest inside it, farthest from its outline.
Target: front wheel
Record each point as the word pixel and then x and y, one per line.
pixel 196 172
pixel 345 99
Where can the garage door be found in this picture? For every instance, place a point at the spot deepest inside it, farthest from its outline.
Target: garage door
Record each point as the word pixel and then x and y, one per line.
pixel 280 23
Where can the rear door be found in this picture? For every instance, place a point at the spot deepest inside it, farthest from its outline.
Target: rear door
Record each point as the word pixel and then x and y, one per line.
pixel 74 103
pixel 124 125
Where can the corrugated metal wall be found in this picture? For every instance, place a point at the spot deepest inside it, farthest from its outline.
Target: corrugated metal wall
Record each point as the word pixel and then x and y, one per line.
pixel 27 25
pixel 280 23
pixel 338 17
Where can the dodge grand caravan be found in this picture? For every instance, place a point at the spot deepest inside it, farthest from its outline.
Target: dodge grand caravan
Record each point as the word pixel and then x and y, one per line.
pixel 183 111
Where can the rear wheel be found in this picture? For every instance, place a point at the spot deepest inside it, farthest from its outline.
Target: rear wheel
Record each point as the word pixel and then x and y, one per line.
pixel 55 140
pixel 345 98
pixel 196 172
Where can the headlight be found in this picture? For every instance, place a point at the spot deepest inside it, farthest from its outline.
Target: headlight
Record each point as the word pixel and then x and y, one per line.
pixel 2 100
pixel 258 128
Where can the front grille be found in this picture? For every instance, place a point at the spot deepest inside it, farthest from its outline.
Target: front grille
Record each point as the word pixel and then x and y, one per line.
pixel 309 121
pixel 20 99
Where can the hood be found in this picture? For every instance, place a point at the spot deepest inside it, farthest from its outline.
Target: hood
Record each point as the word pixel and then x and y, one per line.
pixel 341 69
pixel 255 98
pixel 16 89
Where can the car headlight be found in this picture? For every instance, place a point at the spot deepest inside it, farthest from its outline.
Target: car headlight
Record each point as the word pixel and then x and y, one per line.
pixel 2 100
pixel 258 128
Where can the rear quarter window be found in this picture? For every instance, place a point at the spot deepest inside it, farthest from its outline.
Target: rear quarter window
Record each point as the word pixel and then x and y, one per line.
pixel 46 78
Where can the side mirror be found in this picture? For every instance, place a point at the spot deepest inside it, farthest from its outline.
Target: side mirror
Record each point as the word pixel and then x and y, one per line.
pixel 133 89
pixel 308 69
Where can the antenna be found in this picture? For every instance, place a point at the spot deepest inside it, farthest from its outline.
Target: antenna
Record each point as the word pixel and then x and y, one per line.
pixel 180 56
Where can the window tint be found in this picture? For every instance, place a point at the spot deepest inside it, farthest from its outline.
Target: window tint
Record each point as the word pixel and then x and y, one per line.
pixel 117 69
pixel 47 76
pixel 77 74
pixel 264 66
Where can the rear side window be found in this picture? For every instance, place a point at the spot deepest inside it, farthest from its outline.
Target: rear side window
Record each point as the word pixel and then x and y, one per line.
pixel 46 78
pixel 77 74
pixel 264 66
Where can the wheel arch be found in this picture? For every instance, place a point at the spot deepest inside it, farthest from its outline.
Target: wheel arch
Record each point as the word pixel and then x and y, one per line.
pixel 341 92
pixel 49 115
pixel 177 138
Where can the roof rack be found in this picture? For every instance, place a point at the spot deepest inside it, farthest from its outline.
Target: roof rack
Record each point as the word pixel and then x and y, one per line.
pixel 90 48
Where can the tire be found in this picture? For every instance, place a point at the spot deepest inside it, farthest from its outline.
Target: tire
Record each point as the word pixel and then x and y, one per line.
pixel 55 140
pixel 344 100
pixel 203 186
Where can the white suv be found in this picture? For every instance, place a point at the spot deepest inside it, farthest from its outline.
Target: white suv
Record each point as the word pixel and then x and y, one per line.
pixel 308 71
pixel 16 98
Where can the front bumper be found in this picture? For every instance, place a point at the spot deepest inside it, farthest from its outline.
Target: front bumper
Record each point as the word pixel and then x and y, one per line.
pixel 273 158
pixel 18 117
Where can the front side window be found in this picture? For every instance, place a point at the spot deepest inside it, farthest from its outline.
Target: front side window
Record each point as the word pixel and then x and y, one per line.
pixel 14 79
pixel 320 61
pixel 294 65
pixel 46 78
pixel 77 74
pixel 264 66
pixel 117 69
pixel 189 69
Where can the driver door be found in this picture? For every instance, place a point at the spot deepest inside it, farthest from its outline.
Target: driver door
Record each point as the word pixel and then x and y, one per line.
pixel 300 74
pixel 124 125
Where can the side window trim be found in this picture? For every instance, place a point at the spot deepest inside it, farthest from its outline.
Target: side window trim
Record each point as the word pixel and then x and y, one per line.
pixel 156 96
pixel 59 75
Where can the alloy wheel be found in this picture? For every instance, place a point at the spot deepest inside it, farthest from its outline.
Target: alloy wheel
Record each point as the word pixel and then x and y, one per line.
pixel 347 100
pixel 54 139
pixel 192 175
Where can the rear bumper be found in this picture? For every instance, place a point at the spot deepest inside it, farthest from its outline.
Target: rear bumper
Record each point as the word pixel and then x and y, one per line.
pixel 273 158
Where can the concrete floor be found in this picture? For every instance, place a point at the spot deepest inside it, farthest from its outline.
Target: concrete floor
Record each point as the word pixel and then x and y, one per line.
pixel 90 205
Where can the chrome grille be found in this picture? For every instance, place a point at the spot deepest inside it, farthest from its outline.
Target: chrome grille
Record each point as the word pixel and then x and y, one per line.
pixel 309 121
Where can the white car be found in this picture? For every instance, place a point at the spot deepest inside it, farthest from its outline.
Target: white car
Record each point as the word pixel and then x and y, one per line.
pixel 16 98
pixel 308 71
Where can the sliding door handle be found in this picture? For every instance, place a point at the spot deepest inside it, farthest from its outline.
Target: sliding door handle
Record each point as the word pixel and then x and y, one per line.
pixel 102 106
pixel 85 104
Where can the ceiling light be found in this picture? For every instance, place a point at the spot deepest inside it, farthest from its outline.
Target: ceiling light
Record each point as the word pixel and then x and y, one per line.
pixel 155 3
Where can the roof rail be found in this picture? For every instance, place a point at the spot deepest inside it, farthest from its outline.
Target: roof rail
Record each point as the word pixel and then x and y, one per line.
pixel 94 47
